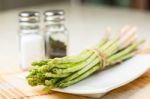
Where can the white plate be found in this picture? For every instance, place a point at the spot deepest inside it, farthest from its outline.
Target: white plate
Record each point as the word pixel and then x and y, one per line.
pixel 104 81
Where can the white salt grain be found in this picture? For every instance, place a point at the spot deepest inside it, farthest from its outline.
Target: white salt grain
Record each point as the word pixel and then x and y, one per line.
pixel 32 49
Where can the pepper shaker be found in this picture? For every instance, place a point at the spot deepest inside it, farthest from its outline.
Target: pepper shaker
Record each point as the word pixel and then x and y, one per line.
pixel 56 34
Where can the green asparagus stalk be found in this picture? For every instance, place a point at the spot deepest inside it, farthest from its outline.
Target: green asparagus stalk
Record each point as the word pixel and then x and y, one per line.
pixel 88 73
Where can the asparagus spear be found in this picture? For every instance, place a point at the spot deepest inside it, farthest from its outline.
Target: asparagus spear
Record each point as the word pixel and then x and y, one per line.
pixel 88 73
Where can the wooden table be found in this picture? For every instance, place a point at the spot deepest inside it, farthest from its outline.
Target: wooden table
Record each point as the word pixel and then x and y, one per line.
pixel 85 23
pixel 137 89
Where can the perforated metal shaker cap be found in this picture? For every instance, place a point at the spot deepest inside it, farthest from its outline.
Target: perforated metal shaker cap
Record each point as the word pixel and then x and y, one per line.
pixel 54 15
pixel 29 16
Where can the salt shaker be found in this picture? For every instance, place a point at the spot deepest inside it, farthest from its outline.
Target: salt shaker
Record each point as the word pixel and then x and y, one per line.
pixel 31 41
pixel 56 34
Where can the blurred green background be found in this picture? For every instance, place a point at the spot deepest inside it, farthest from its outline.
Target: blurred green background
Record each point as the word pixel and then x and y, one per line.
pixel 133 4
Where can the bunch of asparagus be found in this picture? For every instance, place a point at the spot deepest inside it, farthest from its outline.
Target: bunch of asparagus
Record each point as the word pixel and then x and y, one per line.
pixel 66 71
